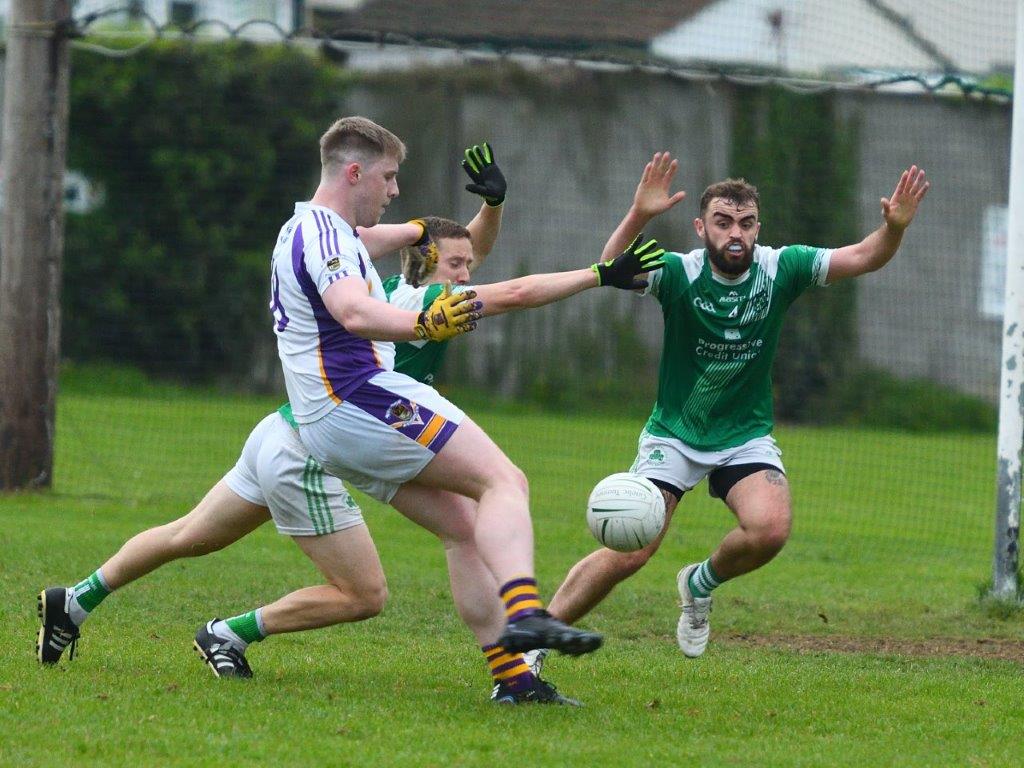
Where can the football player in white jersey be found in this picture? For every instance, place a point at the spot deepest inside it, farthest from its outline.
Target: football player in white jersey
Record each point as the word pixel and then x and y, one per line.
pixel 276 478
pixel 390 436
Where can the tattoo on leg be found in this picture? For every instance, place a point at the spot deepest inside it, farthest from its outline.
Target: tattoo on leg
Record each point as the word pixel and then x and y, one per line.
pixel 775 477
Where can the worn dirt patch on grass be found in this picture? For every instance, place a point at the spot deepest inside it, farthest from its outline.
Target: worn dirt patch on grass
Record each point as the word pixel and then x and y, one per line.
pixel 984 648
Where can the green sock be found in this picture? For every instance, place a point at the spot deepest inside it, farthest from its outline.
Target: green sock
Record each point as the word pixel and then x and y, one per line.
pixel 703 580
pixel 90 591
pixel 247 626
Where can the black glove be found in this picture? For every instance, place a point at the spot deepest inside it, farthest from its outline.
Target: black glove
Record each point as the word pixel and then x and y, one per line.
pixel 622 271
pixel 488 180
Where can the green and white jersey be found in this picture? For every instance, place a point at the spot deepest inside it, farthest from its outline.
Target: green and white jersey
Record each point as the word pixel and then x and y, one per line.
pixel 715 380
pixel 418 359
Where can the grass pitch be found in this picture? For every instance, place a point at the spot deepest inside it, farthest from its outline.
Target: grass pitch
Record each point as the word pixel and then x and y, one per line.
pixel 863 644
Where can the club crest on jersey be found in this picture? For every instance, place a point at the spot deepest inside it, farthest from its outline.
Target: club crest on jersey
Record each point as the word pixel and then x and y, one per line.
pixel 334 264
pixel 403 413
pixel 732 334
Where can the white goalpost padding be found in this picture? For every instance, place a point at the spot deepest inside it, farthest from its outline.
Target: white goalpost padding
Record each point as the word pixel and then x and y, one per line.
pixel 1011 387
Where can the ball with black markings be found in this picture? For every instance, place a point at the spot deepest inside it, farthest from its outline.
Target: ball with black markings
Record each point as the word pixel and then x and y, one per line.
pixel 625 512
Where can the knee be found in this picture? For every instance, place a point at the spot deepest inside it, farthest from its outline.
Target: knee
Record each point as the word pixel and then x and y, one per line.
pixel 772 535
pixel 507 476
pixel 369 602
pixel 520 480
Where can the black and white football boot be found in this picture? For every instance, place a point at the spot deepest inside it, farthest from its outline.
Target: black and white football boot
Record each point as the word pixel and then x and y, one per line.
pixel 219 654
pixel 56 629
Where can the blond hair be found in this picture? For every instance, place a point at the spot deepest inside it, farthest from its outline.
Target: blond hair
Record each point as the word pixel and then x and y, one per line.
pixel 357 139
pixel 420 261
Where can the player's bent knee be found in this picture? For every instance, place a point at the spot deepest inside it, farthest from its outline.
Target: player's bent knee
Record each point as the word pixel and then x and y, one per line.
pixel 511 477
pixel 773 537
pixel 520 480
pixel 364 602
pixel 777 539
pixel 371 602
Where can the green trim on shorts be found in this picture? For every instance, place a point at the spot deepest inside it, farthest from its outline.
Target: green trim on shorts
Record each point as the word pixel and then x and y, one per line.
pixel 316 499
pixel 328 517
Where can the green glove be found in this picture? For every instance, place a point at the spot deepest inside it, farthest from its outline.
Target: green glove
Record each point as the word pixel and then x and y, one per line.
pixel 488 180
pixel 622 271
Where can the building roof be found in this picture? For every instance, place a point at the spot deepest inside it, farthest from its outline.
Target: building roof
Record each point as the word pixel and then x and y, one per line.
pixel 538 23
pixel 818 36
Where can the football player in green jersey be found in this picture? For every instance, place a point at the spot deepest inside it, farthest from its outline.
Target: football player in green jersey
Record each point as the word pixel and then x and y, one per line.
pixel 454 246
pixel 723 306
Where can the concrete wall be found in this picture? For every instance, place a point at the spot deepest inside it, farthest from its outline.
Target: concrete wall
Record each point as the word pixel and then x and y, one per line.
pixel 573 142
pixel 920 316
pixel 573 151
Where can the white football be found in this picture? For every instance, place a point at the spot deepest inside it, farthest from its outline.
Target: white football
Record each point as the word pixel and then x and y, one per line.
pixel 625 512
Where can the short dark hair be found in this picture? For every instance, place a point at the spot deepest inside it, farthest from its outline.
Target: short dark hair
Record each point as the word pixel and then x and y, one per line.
pixel 738 191
pixel 415 267
pixel 358 139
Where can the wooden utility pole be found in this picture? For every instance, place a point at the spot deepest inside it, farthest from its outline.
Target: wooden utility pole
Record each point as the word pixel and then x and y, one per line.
pixel 34 146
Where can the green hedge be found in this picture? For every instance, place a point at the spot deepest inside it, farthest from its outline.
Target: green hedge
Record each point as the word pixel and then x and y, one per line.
pixel 195 148
pixel 802 159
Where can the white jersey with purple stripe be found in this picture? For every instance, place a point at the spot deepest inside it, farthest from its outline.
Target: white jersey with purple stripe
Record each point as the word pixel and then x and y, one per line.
pixel 322 361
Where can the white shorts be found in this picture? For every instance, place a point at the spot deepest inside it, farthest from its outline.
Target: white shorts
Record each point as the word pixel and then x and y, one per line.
pixel 276 471
pixel 674 462
pixel 384 433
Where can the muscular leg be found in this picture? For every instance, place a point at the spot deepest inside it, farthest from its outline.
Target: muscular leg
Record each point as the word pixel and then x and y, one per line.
pixel 592 579
pixel 452 518
pixel 220 519
pixel 471 464
pixel 761 503
pixel 356 587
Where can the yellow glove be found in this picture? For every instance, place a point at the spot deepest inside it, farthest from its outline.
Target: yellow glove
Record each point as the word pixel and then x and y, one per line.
pixel 448 315
pixel 420 259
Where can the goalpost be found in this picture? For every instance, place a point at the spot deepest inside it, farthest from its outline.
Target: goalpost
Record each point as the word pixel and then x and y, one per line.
pixel 1011 388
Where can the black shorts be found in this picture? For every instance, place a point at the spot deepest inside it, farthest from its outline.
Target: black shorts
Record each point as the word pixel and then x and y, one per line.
pixel 721 480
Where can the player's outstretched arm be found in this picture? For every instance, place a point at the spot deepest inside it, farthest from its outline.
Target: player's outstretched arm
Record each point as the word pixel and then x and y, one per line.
pixel 652 198
pixel 538 290
pixel 875 250
pixel 383 239
pixel 486 180
pixel 351 304
pixel 483 231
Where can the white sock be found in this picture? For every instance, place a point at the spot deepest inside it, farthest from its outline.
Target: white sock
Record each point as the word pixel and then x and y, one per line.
pixel 221 629
pixel 77 613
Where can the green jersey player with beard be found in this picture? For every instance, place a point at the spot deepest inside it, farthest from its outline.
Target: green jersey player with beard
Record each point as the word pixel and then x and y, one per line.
pixel 723 306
